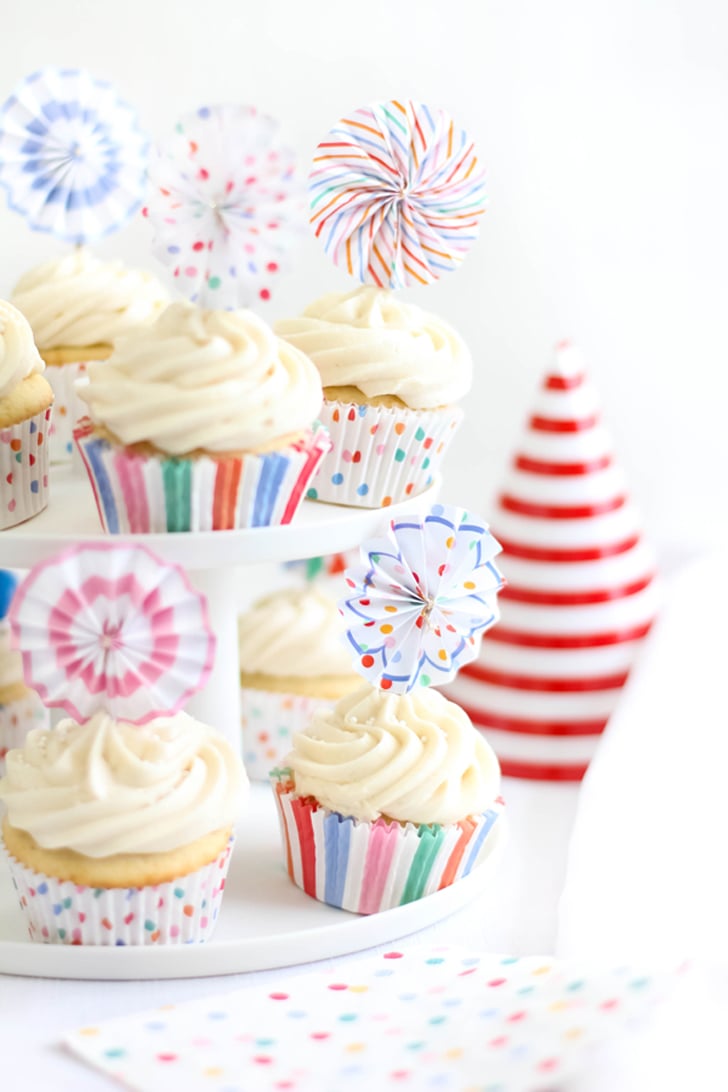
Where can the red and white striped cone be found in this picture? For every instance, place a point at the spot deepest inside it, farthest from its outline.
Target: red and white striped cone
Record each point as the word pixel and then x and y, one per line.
pixel 580 596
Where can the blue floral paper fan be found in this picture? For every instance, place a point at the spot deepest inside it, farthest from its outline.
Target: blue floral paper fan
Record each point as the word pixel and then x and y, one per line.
pixel 72 156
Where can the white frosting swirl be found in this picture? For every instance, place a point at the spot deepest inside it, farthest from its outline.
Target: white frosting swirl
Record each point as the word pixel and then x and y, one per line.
pixel 372 340
pixel 19 357
pixel 219 381
pixel 78 300
pixel 107 787
pixel 411 757
pixel 11 662
pixel 295 631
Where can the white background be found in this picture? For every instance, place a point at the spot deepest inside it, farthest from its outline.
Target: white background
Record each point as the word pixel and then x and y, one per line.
pixel 603 125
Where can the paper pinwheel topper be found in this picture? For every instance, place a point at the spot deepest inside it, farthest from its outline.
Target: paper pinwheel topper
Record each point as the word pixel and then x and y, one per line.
pixel 72 157
pixel 396 193
pixel 420 598
pixel 112 627
pixel 226 204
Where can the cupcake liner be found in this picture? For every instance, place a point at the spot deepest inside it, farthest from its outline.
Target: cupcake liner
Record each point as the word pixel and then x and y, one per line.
pixel 153 493
pixel 16 720
pixel 269 721
pixel 368 867
pixel 67 408
pixel 381 455
pixel 24 469
pixel 183 911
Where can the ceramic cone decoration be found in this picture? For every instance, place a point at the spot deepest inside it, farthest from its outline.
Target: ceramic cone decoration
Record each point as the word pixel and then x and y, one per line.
pixel 580 593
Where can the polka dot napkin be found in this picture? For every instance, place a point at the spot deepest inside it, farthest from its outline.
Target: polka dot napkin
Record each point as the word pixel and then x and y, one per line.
pixel 413 1019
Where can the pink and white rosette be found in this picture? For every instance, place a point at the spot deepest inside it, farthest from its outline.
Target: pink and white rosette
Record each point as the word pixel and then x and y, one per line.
pixel 68 408
pixel 181 911
pixel 16 720
pixel 269 721
pixel 24 469
pixel 380 454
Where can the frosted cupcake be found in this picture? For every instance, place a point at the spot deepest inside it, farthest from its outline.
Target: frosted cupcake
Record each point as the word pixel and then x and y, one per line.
pixel 385 799
pixel 201 422
pixel 25 416
pixel 292 662
pixel 121 834
pixel 77 306
pixel 392 375
pixel 20 707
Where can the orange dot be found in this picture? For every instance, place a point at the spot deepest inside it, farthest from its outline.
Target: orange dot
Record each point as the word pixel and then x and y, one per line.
pixel 450 542
pixel 442 654
pixel 399 428
pixel 391 610
pixel 386 501
pixel 386 628
pixel 469 585
pixel 409 488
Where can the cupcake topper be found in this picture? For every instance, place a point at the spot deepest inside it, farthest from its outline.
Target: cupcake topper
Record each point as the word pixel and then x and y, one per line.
pixel 225 204
pixel 112 627
pixel 396 194
pixel 72 158
pixel 420 597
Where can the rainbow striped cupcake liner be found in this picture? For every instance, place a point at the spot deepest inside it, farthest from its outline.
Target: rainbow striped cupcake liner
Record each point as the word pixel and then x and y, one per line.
pixel 380 454
pixel 269 721
pixel 369 867
pixel 16 720
pixel 182 911
pixel 138 493
pixel 24 469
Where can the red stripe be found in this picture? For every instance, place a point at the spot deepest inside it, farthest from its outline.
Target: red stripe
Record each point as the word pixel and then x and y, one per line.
pixel 563 382
pixel 560 511
pixel 558 554
pixel 559 424
pixel 566 640
pixel 530 727
pixel 574 598
pixel 543 684
pixel 561 470
pixel 542 771
pixel 302 815
pixel 318 449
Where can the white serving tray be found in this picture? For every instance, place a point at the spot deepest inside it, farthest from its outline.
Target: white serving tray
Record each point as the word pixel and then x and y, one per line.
pixel 265 922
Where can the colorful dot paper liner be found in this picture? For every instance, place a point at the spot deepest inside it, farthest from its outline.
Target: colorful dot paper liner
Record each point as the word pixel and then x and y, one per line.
pixel 111 627
pixel 424 1018
pixel 24 466
pixel 72 156
pixel 396 193
pixel 226 204
pixel 419 598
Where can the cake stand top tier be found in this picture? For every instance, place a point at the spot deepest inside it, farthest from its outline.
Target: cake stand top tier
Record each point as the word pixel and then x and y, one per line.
pixel 317 529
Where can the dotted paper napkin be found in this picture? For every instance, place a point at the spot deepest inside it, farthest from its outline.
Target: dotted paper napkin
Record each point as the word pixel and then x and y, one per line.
pixel 414 1019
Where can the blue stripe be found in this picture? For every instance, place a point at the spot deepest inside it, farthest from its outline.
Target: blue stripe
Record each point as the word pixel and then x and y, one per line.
pixel 490 818
pixel 93 451
pixel 337 835
pixel 269 484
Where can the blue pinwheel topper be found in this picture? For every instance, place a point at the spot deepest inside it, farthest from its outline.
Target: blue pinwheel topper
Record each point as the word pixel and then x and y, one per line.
pixel 72 157
pixel 420 599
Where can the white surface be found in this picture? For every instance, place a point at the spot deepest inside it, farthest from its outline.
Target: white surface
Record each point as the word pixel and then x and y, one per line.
pixel 265 922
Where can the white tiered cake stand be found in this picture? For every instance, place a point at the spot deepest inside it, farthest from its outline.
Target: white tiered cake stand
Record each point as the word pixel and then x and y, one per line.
pixel 265 920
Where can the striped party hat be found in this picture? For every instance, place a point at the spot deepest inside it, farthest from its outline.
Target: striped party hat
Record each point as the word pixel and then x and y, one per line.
pixel 580 593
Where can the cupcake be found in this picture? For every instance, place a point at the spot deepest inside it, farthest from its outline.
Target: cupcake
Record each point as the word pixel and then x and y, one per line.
pixel 391 374
pixel 386 798
pixel 120 834
pixel 201 422
pixel 292 662
pixel 25 415
pixel 20 707
pixel 77 306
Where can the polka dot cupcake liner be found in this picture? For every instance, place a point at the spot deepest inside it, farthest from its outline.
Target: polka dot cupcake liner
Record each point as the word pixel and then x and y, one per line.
pixel 183 911
pixel 369 867
pixel 269 721
pixel 16 720
pixel 138 493
pixel 380 454
pixel 24 469
pixel 68 408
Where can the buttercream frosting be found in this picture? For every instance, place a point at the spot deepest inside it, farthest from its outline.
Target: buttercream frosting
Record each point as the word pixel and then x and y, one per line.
pixel 219 381
pixel 372 340
pixel 108 787
pixel 79 300
pixel 19 357
pixel 293 631
pixel 410 757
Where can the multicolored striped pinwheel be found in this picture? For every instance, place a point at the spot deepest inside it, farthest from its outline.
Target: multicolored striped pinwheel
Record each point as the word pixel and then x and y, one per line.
pixel 72 157
pixel 396 194
pixel 420 598
pixel 111 626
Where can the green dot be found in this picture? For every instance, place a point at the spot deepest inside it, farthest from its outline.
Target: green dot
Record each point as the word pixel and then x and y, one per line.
pixel 438 1019
pixel 115 1052
pixel 425 680
pixel 149 926
pixel 399 455
pixel 425 463
pixel 415 1046
pixel 420 434
pixel 577 985
pixel 347 1016
pixel 214 282
pixel 312 494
